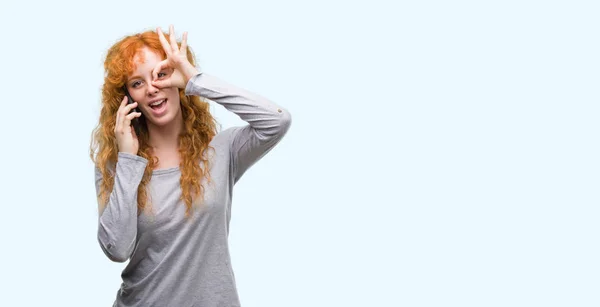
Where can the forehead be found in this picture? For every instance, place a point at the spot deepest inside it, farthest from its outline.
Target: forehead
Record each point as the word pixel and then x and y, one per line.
pixel 145 58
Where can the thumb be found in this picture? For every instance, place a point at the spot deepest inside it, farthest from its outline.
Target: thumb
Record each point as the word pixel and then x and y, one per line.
pixel 162 83
pixel 160 66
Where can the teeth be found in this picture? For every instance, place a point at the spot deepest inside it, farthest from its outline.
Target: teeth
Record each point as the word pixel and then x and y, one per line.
pixel 158 102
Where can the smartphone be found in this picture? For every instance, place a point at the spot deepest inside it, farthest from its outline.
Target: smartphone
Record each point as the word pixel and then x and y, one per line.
pixel 135 121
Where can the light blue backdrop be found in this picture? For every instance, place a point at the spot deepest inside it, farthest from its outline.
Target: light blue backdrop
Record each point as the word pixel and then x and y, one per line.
pixel 442 153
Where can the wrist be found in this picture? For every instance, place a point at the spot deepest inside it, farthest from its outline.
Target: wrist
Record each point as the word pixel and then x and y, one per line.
pixel 188 72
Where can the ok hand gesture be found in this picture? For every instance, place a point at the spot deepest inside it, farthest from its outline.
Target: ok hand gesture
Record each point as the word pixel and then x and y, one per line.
pixel 176 62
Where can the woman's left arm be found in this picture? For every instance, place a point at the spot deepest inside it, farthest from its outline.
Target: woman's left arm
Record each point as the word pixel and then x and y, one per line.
pixel 267 121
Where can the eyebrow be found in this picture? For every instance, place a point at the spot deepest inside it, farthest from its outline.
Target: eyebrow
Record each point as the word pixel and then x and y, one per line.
pixel 134 77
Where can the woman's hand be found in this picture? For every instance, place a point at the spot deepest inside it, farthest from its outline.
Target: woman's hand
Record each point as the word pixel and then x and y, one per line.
pixel 127 140
pixel 177 66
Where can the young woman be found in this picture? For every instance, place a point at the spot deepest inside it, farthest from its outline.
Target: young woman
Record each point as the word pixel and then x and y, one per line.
pixel 165 194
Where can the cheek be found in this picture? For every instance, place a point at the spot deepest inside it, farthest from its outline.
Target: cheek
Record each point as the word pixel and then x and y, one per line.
pixel 174 97
pixel 137 95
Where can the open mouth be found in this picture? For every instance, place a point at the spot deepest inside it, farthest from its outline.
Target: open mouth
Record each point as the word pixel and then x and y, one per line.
pixel 159 105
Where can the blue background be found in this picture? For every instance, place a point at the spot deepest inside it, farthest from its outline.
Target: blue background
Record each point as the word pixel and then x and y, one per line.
pixel 442 153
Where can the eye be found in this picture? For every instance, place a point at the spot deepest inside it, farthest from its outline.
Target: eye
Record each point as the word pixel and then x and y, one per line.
pixel 135 84
pixel 161 74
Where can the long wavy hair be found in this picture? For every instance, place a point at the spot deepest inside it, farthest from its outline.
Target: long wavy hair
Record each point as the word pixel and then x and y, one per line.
pixel 199 127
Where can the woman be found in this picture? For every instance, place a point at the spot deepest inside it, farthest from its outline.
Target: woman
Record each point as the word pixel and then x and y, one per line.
pixel 165 195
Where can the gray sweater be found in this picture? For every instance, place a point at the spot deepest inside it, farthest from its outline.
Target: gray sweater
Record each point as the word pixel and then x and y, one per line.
pixel 174 262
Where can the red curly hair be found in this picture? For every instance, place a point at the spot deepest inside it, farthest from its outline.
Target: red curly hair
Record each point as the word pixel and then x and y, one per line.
pixel 199 126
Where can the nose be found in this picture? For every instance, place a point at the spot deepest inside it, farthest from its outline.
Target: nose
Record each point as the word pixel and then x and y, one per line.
pixel 151 90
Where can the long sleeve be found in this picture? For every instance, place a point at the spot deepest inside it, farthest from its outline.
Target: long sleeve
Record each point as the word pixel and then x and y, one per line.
pixel 267 121
pixel 117 223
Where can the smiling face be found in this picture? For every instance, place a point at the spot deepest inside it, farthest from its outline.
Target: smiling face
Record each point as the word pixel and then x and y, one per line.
pixel 151 100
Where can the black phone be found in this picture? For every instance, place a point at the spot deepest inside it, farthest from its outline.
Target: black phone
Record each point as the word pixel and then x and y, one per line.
pixel 135 121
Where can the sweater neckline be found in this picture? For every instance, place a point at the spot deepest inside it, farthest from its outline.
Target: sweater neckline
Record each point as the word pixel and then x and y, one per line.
pixel 165 170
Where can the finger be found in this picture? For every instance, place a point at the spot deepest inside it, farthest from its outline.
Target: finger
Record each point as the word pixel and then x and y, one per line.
pixel 163 41
pixel 127 119
pixel 172 37
pixel 160 66
pixel 161 83
pixel 133 115
pixel 126 109
pixel 184 43
pixel 117 122
pixel 123 105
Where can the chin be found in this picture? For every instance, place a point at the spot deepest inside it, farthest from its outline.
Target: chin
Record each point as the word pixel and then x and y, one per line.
pixel 169 117
pixel 162 121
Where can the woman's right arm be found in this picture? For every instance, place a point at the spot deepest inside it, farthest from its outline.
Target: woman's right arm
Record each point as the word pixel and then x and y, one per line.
pixel 117 222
